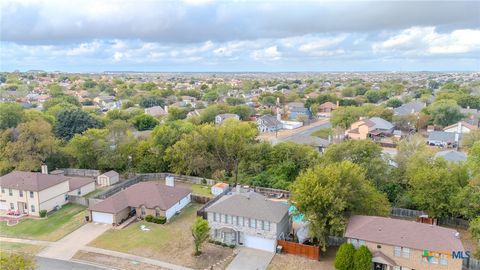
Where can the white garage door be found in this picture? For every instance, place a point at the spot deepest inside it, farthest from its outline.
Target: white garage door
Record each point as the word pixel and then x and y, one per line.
pixel 260 243
pixel 3 205
pixel 102 217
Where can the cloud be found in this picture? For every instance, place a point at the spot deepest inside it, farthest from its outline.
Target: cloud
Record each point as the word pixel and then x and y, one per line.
pixel 428 41
pixel 270 53
pixel 321 43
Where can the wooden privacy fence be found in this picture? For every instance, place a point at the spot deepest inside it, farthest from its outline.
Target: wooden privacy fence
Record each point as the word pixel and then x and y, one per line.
pixel 200 199
pixel 311 252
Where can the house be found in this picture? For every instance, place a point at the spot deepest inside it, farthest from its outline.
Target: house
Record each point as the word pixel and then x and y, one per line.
pixel 222 117
pixel 443 139
pixel 107 179
pixel 142 199
pixel 318 143
pixel 248 219
pixel 412 107
pixel 269 123
pixel 219 188
pixel 194 113
pixel 452 156
pixel 30 192
pixel 297 109
pixel 472 116
pixel 401 244
pixel 155 111
pixel 368 128
pixel 327 107
pixel 460 127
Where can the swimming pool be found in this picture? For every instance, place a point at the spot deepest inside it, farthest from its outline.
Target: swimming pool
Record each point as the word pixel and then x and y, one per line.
pixel 297 217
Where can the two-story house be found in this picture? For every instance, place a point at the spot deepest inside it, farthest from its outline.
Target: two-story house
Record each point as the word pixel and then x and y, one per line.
pixel 269 123
pixel 369 128
pixel 248 219
pixel 405 245
pixel 29 192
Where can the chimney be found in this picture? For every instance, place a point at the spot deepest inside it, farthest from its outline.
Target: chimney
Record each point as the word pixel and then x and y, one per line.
pixel 44 169
pixel 166 108
pixel 169 181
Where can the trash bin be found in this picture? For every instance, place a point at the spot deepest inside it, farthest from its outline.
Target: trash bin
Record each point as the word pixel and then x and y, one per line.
pixel 87 218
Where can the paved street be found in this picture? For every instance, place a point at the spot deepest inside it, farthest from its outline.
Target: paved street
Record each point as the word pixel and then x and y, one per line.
pixel 53 264
pixel 305 132
pixel 253 259
pixel 66 247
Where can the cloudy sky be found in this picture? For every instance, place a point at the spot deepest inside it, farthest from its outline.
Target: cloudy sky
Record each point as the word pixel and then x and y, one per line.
pixel 208 35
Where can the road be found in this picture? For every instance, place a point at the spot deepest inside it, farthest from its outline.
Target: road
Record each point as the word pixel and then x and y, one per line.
pixel 305 132
pixel 53 264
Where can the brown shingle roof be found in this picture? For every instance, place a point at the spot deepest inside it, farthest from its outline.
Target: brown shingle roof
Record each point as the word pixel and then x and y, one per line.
pixel 30 181
pixel 78 182
pixel 403 233
pixel 149 194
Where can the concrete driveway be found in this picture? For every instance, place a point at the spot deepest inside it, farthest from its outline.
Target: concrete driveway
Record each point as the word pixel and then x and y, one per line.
pixel 253 259
pixel 65 248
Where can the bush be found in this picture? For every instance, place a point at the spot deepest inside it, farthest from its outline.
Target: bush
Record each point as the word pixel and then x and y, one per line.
pixel 231 246
pixel 43 213
pixel 362 259
pixel 148 218
pixel 159 220
pixel 344 257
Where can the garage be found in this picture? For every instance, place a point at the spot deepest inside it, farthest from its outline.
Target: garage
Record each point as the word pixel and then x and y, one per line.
pixel 100 217
pixel 3 205
pixel 260 243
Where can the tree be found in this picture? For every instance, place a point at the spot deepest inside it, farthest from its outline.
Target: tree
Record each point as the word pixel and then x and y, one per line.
pixel 394 103
pixel 150 101
pixel 373 96
pixel 444 112
pixel 470 138
pixel 344 259
pixel 61 99
pixel 362 259
pixel 344 116
pixel 11 114
pixel 473 159
pixel 16 262
pixel 145 122
pixel 73 121
pixel 87 148
pixel 176 114
pixel 232 101
pixel 200 233
pixel 325 193
pixel 474 229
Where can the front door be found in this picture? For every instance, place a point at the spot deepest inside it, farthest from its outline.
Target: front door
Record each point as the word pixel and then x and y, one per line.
pixel 379 266
pixel 22 207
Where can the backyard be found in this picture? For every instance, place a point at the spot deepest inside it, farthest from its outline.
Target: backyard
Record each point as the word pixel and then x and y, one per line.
pixel 197 189
pixel 54 227
pixel 170 242
pixel 288 261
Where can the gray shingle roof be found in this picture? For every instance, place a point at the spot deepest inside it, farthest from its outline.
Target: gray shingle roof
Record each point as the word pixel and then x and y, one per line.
pixel 381 123
pixel 403 233
pixel 452 155
pixel 269 121
pixel 250 205
pixel 442 136
pixel 414 106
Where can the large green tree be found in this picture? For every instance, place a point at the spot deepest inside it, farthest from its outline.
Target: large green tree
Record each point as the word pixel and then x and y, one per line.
pixel 343 117
pixel 11 114
pixel 344 258
pixel 73 121
pixel 444 112
pixel 325 193
pixel 362 259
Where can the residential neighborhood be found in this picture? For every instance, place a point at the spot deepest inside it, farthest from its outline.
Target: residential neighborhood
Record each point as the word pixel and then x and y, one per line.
pixel 239 135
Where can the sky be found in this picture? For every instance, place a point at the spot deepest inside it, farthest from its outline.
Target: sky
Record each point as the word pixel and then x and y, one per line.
pixel 239 36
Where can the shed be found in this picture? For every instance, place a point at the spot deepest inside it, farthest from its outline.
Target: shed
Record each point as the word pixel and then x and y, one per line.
pixel 107 179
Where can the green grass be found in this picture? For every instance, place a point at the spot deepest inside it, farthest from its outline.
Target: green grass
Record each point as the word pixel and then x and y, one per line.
pixel 94 193
pixel 54 227
pixel 7 247
pixel 323 133
pixel 202 190
pixel 159 237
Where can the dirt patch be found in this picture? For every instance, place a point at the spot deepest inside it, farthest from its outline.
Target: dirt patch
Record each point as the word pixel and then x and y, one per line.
pixel 114 261
pixel 287 261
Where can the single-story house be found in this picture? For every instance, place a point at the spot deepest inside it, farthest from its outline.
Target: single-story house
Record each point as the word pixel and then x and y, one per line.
pixel 412 107
pixel 222 117
pixel 452 155
pixel 460 127
pixel 327 107
pixel 107 179
pixel 368 128
pixel 318 143
pixel 443 139
pixel 155 111
pixel 218 188
pixel 248 219
pixel 29 192
pixel 269 123
pixel 142 199
pixel 398 244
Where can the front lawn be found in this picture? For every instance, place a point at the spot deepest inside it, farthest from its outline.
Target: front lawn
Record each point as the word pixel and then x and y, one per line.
pixel 8 247
pixel 170 242
pixel 57 225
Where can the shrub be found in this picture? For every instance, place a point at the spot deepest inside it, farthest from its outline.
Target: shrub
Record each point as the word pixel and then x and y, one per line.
pixel 159 220
pixel 362 259
pixel 43 213
pixel 344 257
pixel 231 246
pixel 148 218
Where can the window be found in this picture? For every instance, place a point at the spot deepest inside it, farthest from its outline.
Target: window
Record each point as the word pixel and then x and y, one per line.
pixel 266 225
pixel 396 268
pixel 3 190
pixel 234 220
pixel 229 219
pixel 32 208
pixel 443 259
pixel 10 193
pixel 253 223
pixel 66 197
pixel 354 242
pixel 215 217
pixel 143 210
pixel 157 212
pixel 31 194
pixel 20 193
pixel 406 252
pixel 12 206
pixel 259 224
pixel 223 218
pixel 240 221
pixel 397 252
pixel 79 192
pixel 361 243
